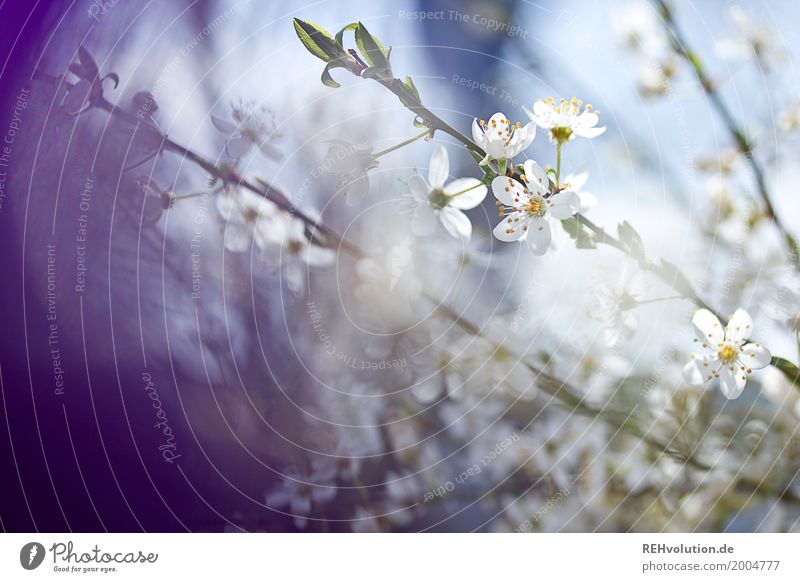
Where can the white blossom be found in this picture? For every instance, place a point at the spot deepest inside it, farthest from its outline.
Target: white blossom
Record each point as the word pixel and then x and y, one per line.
pixel 248 219
pixel 500 139
pixel 436 200
pixel 728 356
pixel 296 252
pixel 249 129
pixel 565 119
pixel 751 40
pixel 616 303
pixel 527 207
pixel 300 492
pixel 350 164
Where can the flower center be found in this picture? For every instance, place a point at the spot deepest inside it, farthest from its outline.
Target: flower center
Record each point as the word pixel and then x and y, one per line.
pixel 561 134
pixel 294 247
pixel 438 198
pixel 250 216
pixel 534 206
pixel 728 353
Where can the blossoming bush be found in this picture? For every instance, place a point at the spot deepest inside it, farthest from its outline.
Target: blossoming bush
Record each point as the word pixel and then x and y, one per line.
pixel 487 407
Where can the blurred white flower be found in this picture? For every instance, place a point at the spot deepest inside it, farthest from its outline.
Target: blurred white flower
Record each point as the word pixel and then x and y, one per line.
pixel 350 164
pixel 616 303
pixel 789 118
pixel 301 492
pixel 345 462
pixel 492 362
pixel 249 218
pixel 436 200
pixel 388 281
pixel 655 76
pixel 752 40
pixel 637 26
pixel 250 129
pixel 566 119
pixel 526 207
pixel 500 139
pixel 296 252
pixel 728 355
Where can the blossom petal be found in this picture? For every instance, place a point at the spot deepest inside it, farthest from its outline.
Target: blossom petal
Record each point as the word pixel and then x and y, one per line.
pixel 439 168
pixel 270 151
pixel 507 191
pixel 539 235
pixel 521 139
pixel 697 371
pixel 536 176
pixel 510 228
pixel 323 494
pixel 589 132
pixel 423 223
pixel 225 127
pixel 564 204
pixel 707 327
pixel 576 181
pixel 357 190
pixel 474 191
pixel 731 382
pixel 477 133
pixel 739 327
pixel 238 146
pixel 456 223
pixel 755 356
pixel 419 188
pixel 317 256
pixel 428 390
pixel 238 237
pixel 498 119
pixel 586 120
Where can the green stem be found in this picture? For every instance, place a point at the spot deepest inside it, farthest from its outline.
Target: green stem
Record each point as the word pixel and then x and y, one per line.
pixel 401 144
pixel 558 165
pixel 657 299
pixel 451 196
pixel 736 131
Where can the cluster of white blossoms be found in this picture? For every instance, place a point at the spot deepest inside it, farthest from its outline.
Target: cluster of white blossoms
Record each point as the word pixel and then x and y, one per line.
pixel 752 40
pixel 528 203
pixel 252 222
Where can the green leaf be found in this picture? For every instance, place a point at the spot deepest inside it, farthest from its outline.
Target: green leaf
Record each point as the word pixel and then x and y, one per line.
pixel 676 279
pixel 789 370
pixel 631 239
pixel 409 83
pixel 579 233
pixel 318 41
pixel 326 78
pixel 326 73
pixel 475 155
pixel 371 48
pixel 340 34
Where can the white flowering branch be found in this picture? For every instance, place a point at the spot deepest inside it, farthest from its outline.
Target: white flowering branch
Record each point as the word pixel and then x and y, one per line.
pixel 628 242
pixel 745 146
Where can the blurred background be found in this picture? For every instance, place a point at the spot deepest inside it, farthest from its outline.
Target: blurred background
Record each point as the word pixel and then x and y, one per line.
pixel 159 376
